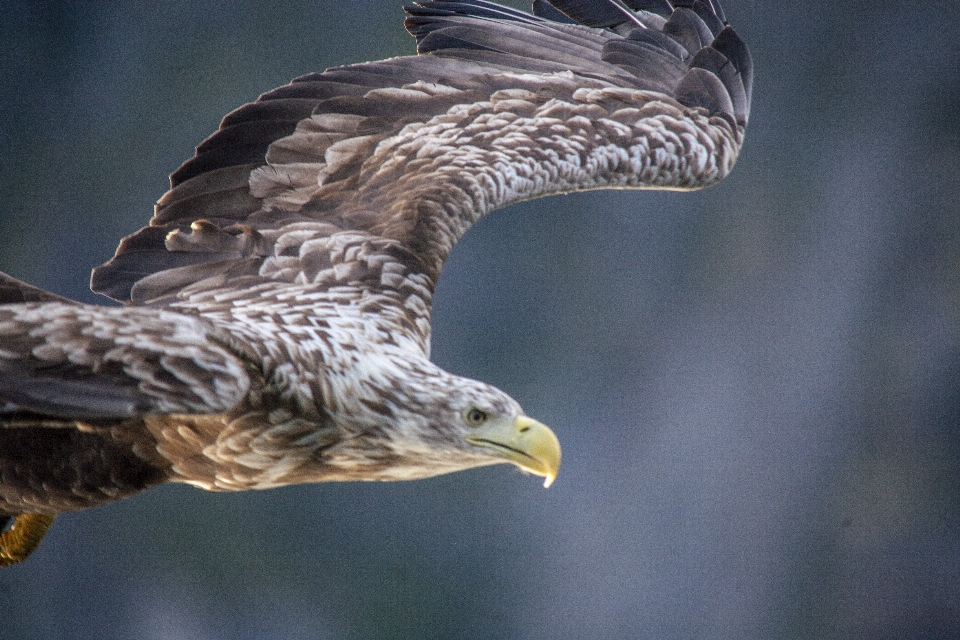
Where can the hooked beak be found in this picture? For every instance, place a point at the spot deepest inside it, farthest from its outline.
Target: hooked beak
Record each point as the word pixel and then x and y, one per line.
pixel 529 444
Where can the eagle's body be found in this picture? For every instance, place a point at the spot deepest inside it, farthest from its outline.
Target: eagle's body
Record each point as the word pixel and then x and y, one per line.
pixel 277 319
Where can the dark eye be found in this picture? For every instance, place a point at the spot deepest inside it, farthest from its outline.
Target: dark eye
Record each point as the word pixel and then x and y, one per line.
pixel 475 416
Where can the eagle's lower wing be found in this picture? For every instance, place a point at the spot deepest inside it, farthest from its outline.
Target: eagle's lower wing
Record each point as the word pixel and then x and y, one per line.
pixel 499 107
pixel 76 362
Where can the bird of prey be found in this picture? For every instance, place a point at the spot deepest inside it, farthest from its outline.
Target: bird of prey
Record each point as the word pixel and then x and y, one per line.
pixel 275 326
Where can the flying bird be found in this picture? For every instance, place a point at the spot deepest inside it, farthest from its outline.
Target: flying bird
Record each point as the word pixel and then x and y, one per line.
pixel 275 326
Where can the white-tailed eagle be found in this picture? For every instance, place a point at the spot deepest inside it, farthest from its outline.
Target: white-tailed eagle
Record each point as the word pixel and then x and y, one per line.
pixel 276 317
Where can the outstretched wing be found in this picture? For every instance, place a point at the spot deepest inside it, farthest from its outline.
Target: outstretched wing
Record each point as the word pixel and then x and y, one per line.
pixel 324 181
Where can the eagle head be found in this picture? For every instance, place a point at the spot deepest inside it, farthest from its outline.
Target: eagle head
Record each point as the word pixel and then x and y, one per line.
pixel 420 421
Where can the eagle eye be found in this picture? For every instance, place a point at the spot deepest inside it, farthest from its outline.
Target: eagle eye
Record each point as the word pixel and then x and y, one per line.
pixel 475 417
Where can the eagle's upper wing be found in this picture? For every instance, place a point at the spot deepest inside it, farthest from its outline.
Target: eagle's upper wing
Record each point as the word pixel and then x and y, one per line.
pixel 499 106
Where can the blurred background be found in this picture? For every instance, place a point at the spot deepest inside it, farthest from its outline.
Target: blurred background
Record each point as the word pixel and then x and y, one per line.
pixel 757 386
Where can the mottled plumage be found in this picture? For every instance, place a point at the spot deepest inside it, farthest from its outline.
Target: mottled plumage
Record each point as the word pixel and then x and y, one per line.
pixel 276 326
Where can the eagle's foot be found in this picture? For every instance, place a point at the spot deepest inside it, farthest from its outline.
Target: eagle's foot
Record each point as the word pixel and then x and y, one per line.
pixel 23 538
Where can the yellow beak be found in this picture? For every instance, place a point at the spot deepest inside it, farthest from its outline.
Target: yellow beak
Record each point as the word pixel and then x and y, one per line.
pixel 529 444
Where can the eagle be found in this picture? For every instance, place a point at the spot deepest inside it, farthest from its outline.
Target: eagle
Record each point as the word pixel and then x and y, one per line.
pixel 275 325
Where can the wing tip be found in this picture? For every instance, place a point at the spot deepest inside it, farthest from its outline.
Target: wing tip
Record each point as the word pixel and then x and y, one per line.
pixel 14 291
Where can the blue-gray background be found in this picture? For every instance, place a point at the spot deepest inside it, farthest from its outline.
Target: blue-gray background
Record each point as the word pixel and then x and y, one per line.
pixel 757 386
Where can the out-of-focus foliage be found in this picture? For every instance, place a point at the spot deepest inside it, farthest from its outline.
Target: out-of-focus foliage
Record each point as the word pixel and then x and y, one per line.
pixel 757 386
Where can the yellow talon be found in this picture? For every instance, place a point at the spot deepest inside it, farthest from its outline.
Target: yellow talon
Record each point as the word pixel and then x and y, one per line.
pixel 23 537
